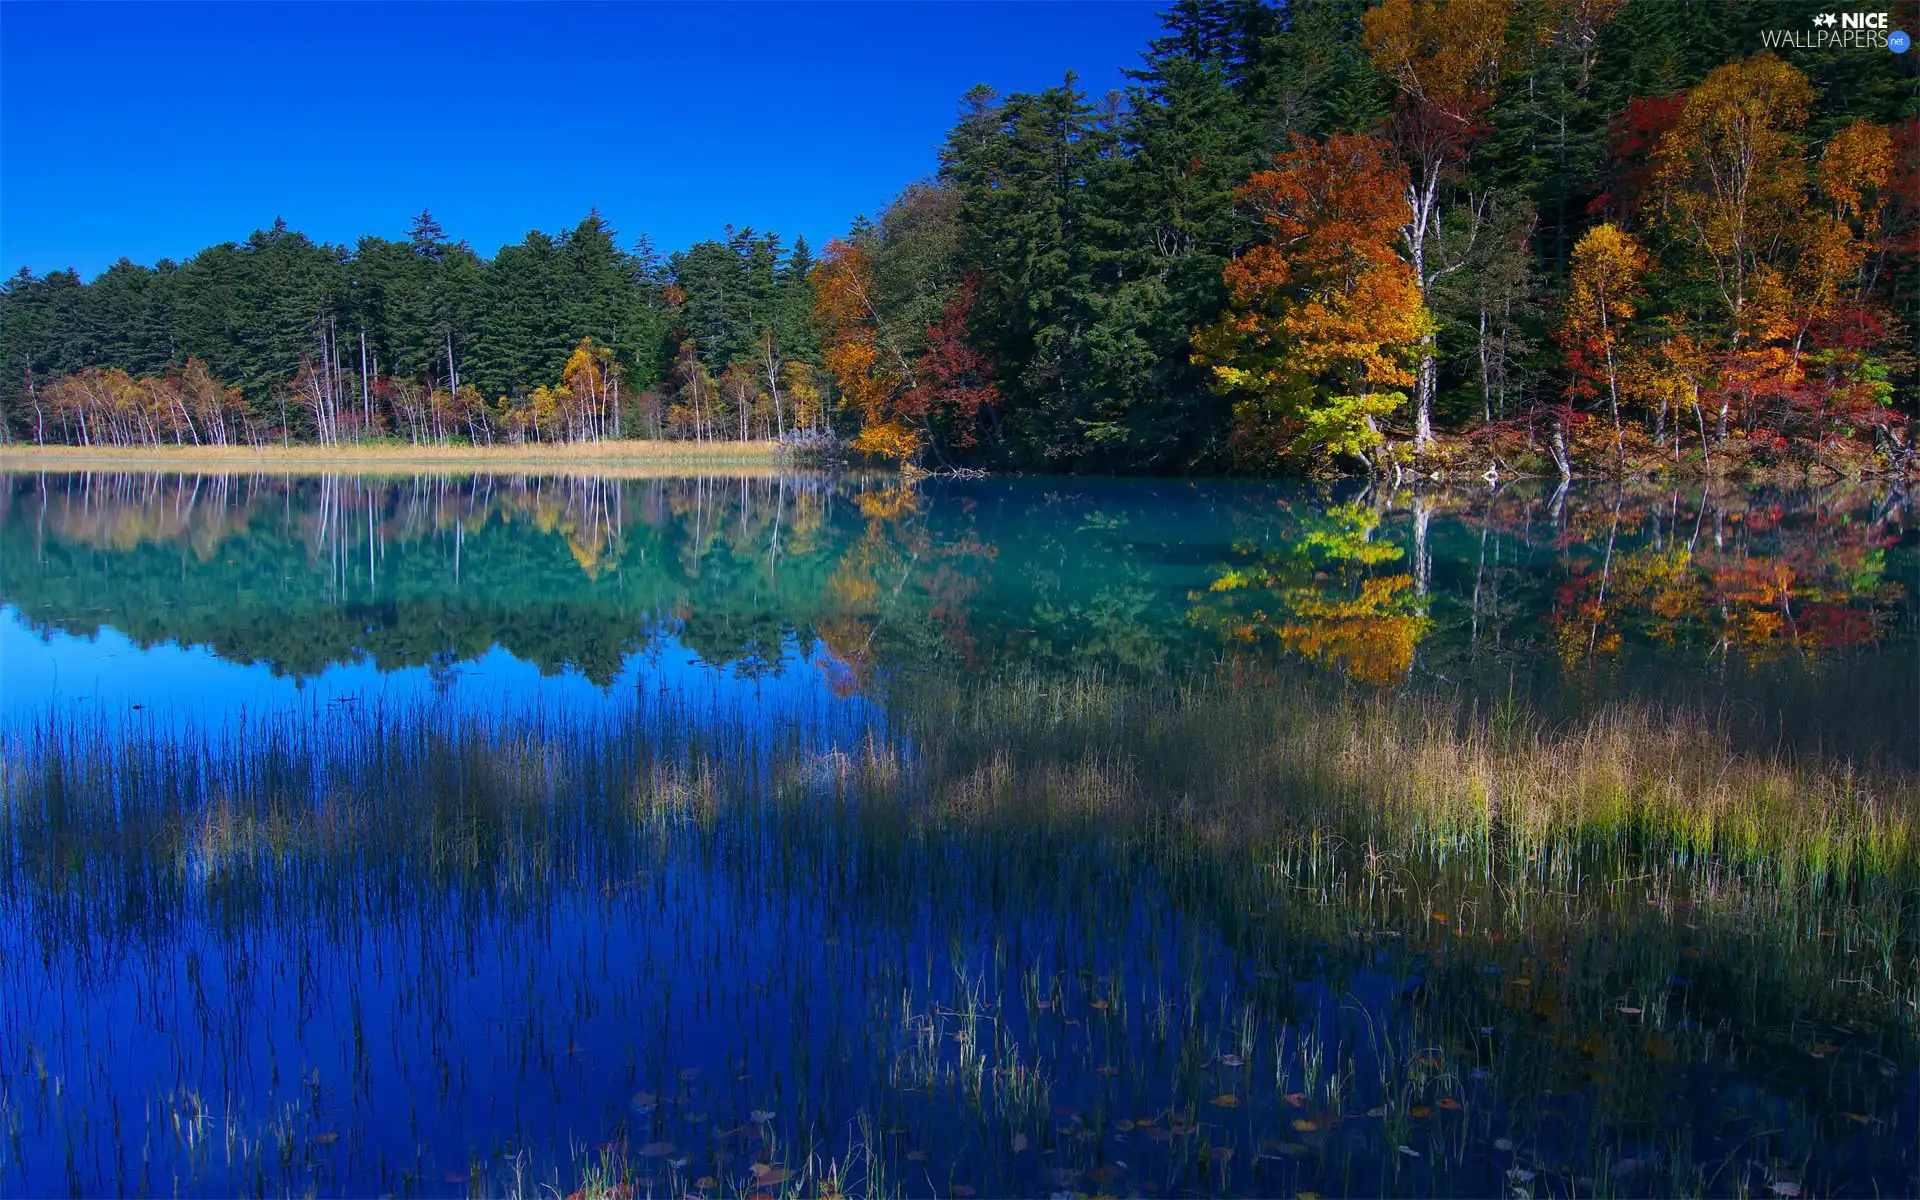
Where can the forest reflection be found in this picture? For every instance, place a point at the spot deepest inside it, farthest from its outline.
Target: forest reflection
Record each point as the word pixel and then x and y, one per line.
pixel 1773 600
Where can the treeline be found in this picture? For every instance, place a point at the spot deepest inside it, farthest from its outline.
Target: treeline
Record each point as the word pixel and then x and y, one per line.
pixel 555 338
pixel 1600 230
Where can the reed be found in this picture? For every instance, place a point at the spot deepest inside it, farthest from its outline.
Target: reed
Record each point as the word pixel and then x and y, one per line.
pixel 1241 933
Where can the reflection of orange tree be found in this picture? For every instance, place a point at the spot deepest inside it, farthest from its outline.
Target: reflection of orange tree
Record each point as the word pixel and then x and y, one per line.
pixel 1371 636
pixel 896 561
pixel 1319 598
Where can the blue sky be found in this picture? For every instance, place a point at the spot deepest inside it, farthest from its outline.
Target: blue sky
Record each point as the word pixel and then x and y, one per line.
pixel 154 130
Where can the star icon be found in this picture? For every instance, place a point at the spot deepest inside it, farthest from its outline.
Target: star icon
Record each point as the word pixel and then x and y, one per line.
pixel 1825 19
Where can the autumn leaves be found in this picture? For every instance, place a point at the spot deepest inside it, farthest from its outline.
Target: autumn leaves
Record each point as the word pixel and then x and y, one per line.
pixel 1766 270
pixel 1739 289
pixel 899 395
pixel 1324 312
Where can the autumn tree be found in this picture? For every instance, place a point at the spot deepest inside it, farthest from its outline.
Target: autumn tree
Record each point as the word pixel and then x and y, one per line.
pixel 905 402
pixel 953 379
pixel 1443 57
pixel 589 392
pixel 865 366
pixel 1671 374
pixel 1323 312
pixel 805 402
pixel 1729 186
pixel 1603 295
pixel 694 390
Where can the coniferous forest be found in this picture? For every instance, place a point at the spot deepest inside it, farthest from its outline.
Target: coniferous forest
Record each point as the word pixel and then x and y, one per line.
pixel 1548 235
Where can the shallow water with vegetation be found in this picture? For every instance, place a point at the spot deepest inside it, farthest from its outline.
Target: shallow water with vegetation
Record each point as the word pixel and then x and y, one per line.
pixel 799 834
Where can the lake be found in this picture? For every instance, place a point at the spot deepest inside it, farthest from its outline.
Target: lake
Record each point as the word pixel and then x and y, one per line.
pixel 825 834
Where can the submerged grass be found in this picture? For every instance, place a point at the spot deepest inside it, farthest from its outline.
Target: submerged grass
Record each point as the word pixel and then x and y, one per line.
pixel 1230 759
pixel 1457 951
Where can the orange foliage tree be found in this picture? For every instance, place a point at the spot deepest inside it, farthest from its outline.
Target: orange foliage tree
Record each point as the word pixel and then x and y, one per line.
pixel 1791 254
pixel 1323 312
pixel 1729 187
pixel 900 399
pixel 1603 295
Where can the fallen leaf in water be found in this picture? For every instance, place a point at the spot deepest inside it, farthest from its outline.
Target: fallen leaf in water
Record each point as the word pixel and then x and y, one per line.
pixel 1420 1112
pixel 1785 1187
pixel 705 1182
pixel 1019 1142
pixel 1380 1111
pixel 645 1101
pixel 768 1175
pixel 456 1177
pixel 1231 1061
pixel 1099 1006
pixel 1503 1144
pixel 1449 1103
pixel 1220 1154
pixel 1410 1152
pixel 1227 1101
pixel 1157 1134
pixel 656 1150
pixel 1302 1125
pixel 761 1116
pixel 1297 1099
pixel 1109 1072
pixel 1123 1125
pixel 1439 916
pixel 1519 1175
pixel 962 1189
pixel 1105 1173
pixel 1629 1010
pixel 916 1156
pixel 326 1139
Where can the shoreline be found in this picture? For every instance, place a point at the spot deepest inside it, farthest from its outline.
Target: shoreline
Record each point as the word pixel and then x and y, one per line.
pixel 601 458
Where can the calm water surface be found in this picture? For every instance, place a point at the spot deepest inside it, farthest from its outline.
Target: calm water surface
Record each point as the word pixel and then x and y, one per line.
pixel 725 1007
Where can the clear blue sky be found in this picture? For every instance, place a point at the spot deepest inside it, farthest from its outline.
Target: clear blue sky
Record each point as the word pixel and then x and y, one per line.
pixel 153 130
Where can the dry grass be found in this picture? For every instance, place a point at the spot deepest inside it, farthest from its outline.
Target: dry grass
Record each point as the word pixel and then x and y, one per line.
pixel 616 459
pixel 1235 764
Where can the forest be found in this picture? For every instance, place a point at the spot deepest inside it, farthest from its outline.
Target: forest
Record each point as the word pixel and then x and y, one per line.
pixel 1550 236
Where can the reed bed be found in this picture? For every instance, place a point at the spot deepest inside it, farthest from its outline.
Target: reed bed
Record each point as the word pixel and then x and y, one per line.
pixel 996 935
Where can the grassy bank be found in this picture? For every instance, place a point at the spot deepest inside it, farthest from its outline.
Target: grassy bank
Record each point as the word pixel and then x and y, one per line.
pixel 612 458
pixel 1575 924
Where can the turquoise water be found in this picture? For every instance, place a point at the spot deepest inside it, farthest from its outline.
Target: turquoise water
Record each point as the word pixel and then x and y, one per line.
pixel 688 958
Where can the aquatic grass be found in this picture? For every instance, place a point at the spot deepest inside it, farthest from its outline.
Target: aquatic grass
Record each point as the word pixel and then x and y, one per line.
pixel 1241 757
pixel 1380 904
